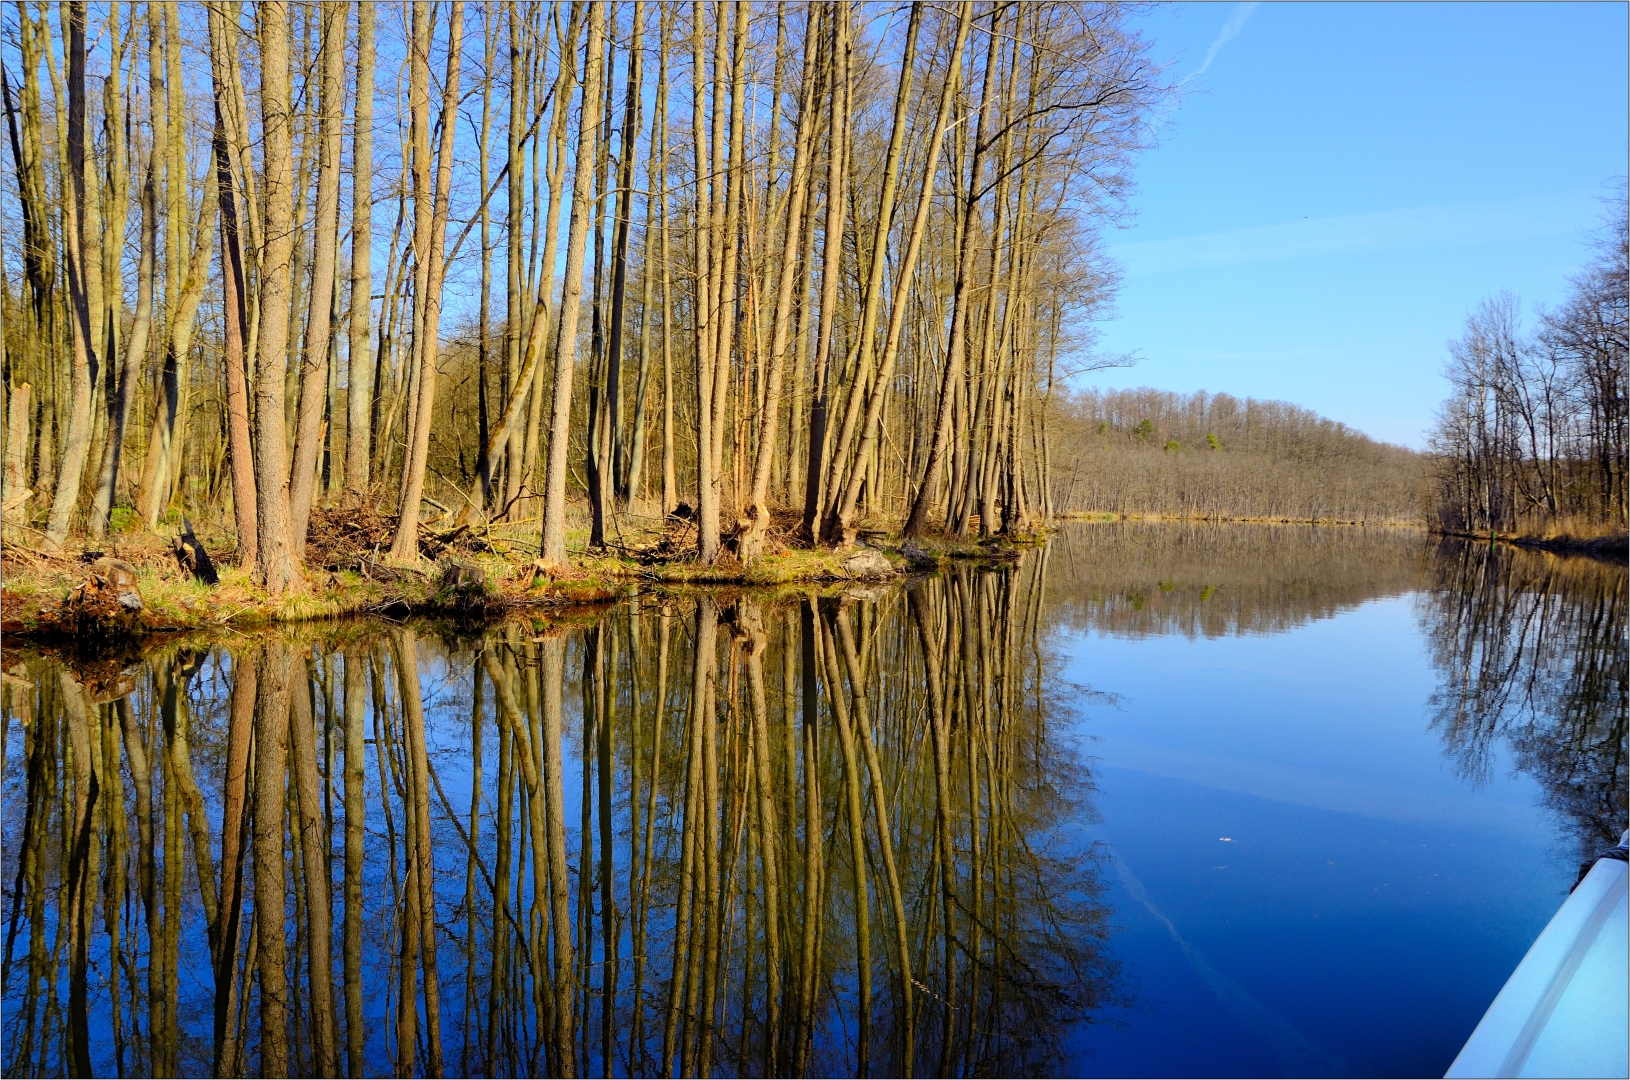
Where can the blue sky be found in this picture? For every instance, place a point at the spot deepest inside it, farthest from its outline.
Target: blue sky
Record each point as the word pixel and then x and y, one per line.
pixel 1342 183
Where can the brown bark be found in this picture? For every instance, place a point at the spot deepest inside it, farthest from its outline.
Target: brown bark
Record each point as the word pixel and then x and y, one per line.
pixel 235 320
pixel 554 494
pixel 319 322
pixel 405 544
pixel 359 380
pixel 277 567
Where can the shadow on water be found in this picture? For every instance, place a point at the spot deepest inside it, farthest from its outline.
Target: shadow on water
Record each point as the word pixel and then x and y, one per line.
pixel 716 834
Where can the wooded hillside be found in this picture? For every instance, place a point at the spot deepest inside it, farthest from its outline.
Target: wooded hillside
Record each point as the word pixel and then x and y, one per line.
pixel 1217 456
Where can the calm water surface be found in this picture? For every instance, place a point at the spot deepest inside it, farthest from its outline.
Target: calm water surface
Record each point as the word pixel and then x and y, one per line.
pixel 1153 800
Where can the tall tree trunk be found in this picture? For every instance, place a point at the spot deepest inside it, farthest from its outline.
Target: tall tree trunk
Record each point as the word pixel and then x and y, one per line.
pixel 553 546
pixel 957 343
pixel 628 149
pixel 405 545
pixel 756 516
pixel 135 356
pixel 832 258
pixel 525 389
pixel 359 379
pixel 81 253
pixel 872 298
pixel 843 532
pixel 277 567
pixel 121 373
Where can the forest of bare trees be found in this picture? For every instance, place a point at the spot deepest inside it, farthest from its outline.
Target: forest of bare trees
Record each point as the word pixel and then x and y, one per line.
pixel 1533 437
pixel 1215 456
pixel 586 257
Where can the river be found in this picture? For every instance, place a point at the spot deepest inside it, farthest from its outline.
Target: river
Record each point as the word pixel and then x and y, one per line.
pixel 1151 799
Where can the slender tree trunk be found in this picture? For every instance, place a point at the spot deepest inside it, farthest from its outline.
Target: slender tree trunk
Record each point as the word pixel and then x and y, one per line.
pixel 359 379
pixel 554 495
pixel 844 531
pixel 628 148
pixel 235 311
pixel 872 302
pixel 756 519
pixel 957 344
pixel 405 545
pixel 81 253
pixel 831 269
pixel 314 359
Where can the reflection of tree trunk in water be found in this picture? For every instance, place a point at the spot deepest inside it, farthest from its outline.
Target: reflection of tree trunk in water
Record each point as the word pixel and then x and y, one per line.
pixel 712 807
pixel 585 857
pixel 975 681
pixel 165 1033
pixel 234 818
pixel 472 1013
pixel 874 767
pixel 707 623
pixel 857 848
pixel 80 879
pixel 643 905
pixel 355 819
pixel 554 676
pixel 116 882
pixel 812 847
pixel 271 735
pixel 314 858
pixel 769 831
pixel 40 740
pixel 942 821
pixel 606 673
pixel 496 999
pixel 177 719
pixel 683 988
pixel 422 868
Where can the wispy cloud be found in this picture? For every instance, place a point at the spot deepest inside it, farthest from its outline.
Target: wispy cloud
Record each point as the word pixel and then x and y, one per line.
pixel 1409 229
pixel 1230 31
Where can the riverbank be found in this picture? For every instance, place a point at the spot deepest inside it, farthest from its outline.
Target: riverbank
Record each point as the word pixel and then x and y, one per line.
pixel 1609 547
pixel 467 575
pixel 1225 519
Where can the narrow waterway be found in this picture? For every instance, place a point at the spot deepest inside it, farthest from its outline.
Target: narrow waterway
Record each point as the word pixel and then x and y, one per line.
pixel 1149 800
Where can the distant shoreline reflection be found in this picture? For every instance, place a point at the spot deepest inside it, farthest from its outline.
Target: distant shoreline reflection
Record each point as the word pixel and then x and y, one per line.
pixel 723 834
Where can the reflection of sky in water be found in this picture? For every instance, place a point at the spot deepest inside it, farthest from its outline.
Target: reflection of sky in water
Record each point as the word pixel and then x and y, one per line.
pixel 1368 904
pixel 1294 875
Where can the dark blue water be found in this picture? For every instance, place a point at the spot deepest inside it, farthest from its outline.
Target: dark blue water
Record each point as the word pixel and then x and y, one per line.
pixel 1304 883
pixel 1151 800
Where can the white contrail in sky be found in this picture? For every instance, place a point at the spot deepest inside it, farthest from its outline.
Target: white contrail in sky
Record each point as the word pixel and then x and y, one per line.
pixel 1230 31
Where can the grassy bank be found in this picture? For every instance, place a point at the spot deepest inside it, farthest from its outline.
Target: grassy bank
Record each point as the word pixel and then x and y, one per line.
pixel 497 573
pixel 1599 543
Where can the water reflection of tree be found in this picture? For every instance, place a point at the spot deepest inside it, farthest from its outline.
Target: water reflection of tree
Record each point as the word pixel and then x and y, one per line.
pixel 1137 579
pixel 1531 651
pixel 722 835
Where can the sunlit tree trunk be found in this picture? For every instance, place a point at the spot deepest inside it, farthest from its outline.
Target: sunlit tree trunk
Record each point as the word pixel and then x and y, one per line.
pixel 277 567
pixel 83 255
pixel 554 495
pixel 360 386
pixel 405 544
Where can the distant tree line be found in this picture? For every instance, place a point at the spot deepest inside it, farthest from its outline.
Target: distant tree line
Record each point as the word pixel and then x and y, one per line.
pixel 1533 434
pixel 1216 456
